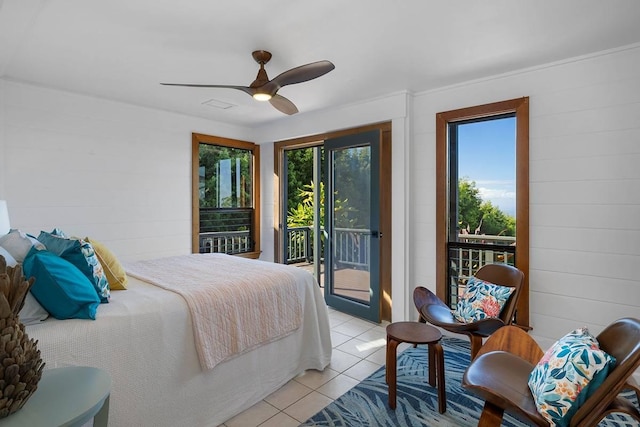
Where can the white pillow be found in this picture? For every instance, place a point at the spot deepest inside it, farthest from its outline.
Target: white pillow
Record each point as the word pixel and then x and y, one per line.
pixel 32 312
pixel 18 244
pixel 11 261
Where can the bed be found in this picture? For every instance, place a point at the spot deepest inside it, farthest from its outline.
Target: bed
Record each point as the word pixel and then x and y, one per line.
pixel 144 337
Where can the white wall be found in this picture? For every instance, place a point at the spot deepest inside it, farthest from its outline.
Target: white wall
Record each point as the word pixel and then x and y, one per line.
pixel 584 186
pixel 112 171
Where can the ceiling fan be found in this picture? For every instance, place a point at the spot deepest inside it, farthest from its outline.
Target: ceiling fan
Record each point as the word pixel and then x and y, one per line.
pixel 264 89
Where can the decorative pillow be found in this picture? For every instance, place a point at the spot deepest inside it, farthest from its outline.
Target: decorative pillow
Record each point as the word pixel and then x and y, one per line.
pixel 116 276
pixel 568 373
pixel 82 255
pixel 18 244
pixel 60 287
pixel 480 300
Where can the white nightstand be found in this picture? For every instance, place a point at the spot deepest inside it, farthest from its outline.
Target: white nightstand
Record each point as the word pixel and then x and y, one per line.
pixel 68 396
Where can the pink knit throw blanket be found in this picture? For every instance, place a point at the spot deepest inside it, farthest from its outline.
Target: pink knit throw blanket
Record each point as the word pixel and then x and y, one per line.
pixel 236 304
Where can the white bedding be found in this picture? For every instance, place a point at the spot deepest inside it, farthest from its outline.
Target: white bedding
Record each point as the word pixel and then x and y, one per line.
pixel 233 310
pixel 144 339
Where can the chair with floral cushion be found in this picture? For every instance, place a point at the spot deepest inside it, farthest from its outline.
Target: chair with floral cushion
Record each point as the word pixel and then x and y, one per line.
pixel 489 303
pixel 577 382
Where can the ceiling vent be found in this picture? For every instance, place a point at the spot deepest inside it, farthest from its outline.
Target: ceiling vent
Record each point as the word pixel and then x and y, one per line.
pixel 215 103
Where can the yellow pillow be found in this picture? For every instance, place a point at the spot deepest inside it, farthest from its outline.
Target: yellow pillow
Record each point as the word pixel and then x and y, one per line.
pixel 114 271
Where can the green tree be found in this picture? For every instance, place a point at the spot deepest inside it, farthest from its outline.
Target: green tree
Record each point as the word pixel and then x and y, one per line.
pixel 302 214
pixel 352 183
pixel 299 174
pixel 469 202
pixel 238 191
pixel 481 217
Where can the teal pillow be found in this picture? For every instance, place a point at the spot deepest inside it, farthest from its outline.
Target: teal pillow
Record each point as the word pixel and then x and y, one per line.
pixel 82 255
pixel 568 373
pixel 480 300
pixel 60 287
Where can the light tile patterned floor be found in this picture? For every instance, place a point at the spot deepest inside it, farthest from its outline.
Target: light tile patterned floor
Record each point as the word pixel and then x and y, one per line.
pixel 358 350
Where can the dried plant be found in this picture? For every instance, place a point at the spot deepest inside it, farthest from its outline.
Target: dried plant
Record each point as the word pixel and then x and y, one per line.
pixel 20 361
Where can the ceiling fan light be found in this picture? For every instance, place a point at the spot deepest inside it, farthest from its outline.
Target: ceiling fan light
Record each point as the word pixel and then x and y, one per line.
pixel 261 96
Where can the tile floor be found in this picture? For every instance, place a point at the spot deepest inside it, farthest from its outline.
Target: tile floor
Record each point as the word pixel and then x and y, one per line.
pixel 358 350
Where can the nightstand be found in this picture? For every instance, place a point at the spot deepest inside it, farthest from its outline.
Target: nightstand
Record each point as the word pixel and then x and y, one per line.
pixel 68 396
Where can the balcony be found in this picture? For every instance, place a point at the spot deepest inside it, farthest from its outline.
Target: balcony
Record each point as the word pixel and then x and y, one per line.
pixel 226 230
pixel 352 246
pixel 352 251
pixel 471 252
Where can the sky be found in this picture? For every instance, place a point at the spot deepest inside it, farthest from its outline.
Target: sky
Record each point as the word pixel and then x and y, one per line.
pixel 487 156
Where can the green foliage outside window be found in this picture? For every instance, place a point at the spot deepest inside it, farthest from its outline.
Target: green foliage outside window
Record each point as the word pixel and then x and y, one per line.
pixel 225 177
pixel 353 189
pixel 477 216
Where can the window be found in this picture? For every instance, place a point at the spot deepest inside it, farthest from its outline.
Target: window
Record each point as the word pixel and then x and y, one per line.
pixel 473 228
pixel 225 189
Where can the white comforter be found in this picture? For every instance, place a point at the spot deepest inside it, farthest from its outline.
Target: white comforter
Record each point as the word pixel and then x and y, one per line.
pixel 144 339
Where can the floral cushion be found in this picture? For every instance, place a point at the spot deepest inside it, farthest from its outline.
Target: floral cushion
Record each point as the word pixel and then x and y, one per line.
pixel 82 255
pixel 480 300
pixel 568 373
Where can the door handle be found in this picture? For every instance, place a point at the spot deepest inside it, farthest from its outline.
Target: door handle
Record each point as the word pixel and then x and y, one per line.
pixel 376 234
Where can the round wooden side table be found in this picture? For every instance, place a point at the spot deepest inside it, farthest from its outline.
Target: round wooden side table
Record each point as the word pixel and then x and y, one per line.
pixel 416 333
pixel 68 396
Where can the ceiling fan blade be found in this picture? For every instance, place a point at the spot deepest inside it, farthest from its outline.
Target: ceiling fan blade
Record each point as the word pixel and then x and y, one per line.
pixel 283 104
pixel 300 74
pixel 248 90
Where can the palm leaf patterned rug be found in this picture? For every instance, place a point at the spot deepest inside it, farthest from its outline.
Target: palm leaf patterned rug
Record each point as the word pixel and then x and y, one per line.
pixel 366 404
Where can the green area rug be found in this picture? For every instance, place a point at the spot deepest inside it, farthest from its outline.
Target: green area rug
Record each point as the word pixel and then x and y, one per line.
pixel 417 402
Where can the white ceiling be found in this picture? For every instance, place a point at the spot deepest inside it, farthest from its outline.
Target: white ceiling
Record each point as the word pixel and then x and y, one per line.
pixel 123 49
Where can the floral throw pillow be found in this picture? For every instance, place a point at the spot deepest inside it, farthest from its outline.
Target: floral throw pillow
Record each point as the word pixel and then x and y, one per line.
pixel 568 373
pixel 82 255
pixel 480 300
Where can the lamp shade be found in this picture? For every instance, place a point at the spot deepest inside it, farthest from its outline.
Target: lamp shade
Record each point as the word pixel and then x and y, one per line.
pixel 5 225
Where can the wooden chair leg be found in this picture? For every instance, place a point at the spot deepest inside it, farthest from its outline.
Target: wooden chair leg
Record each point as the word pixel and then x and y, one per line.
pixel 391 370
pixel 491 416
pixel 476 344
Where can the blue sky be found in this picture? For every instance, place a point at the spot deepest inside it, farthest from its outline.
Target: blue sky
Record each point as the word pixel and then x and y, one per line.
pixel 487 156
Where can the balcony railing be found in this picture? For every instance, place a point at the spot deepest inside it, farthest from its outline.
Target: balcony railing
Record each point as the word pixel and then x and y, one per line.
pixel 470 253
pixel 352 246
pixel 299 245
pixel 227 242
pixel 225 230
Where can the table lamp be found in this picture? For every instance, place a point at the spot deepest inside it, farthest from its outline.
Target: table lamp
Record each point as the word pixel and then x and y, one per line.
pixel 5 225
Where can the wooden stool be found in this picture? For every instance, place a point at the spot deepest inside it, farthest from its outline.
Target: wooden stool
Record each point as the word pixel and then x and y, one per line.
pixel 416 333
